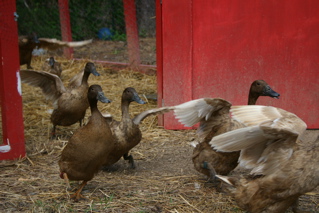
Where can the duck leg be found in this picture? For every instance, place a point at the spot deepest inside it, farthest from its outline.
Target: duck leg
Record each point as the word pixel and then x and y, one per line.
pixel 77 195
pixel 130 160
pixel 212 172
pixel 29 62
pixel 81 122
pixel 298 209
pixel 66 179
pixel 53 136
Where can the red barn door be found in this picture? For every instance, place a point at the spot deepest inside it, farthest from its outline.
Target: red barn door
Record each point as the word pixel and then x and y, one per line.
pixel 217 48
pixel 12 145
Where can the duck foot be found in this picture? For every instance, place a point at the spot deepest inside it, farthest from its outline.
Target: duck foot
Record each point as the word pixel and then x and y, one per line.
pixel 212 178
pixel 130 160
pixel 77 195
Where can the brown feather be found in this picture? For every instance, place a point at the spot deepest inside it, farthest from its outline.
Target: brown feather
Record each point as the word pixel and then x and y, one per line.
pixel 127 134
pixel 214 117
pixel 52 66
pixel 279 190
pixel 28 43
pixel 127 131
pixel 268 139
pixel 83 156
pixel 69 104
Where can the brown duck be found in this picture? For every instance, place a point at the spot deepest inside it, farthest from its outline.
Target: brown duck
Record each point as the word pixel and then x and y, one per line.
pixel 127 131
pixel 70 104
pixel 214 118
pixel 52 66
pixel 28 43
pixel 84 154
pixel 275 148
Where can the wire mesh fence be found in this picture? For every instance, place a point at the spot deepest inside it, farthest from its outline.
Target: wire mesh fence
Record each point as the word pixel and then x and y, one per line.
pixel 103 21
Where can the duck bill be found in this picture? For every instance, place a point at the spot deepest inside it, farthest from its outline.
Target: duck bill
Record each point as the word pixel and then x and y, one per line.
pixel 101 97
pixel 94 72
pixel 270 92
pixel 137 99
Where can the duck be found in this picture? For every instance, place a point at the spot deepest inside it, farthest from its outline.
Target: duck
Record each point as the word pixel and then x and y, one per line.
pixel 214 118
pixel 281 160
pixel 84 153
pixel 52 66
pixel 27 43
pixel 69 104
pixel 127 131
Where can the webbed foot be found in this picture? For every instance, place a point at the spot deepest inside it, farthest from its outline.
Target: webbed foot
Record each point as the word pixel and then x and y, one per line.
pixel 77 195
pixel 212 172
pixel 130 160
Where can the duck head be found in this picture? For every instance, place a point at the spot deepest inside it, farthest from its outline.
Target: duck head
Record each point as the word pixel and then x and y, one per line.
pixel 34 38
pixel 90 68
pixel 51 62
pixel 95 94
pixel 261 88
pixel 130 95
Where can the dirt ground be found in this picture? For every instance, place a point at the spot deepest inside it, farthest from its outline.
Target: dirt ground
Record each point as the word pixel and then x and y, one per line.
pixel 164 180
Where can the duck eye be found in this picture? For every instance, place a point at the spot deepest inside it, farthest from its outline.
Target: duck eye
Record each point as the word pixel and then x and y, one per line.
pixel 258 84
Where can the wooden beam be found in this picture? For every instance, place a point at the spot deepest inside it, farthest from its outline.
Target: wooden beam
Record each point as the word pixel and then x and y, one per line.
pixel 159 59
pixel 65 26
pixel 131 32
pixel 13 146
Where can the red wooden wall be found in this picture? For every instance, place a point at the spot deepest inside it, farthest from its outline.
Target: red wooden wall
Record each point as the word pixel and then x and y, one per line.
pixel 217 48
pixel 10 88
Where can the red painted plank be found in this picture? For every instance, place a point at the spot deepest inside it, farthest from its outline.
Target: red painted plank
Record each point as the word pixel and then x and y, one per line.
pixel 177 55
pixel 10 87
pixel 131 32
pixel 235 43
pixel 277 41
pixel 159 59
pixel 65 26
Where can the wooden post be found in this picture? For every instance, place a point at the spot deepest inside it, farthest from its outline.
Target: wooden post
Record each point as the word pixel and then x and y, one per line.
pixel 10 86
pixel 131 32
pixel 65 26
pixel 159 59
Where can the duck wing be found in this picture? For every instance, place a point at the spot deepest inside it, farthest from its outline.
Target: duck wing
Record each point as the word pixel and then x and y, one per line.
pixel 76 80
pixel 51 85
pixel 267 142
pixel 52 43
pixel 156 111
pixel 202 111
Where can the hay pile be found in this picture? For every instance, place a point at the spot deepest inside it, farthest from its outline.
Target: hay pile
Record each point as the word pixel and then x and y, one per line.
pixel 164 180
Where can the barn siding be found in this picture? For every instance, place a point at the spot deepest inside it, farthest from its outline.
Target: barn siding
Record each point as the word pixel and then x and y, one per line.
pixel 217 48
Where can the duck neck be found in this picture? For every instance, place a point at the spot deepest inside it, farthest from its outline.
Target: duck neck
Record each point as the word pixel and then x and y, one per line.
pixel 252 99
pixel 85 77
pixel 125 109
pixel 93 106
